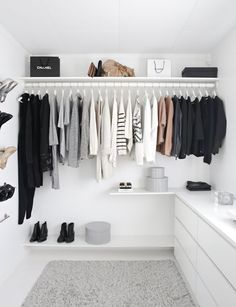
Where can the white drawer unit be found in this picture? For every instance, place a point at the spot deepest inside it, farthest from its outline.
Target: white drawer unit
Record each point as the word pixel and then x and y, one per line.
pixel 218 286
pixel 203 296
pixel 186 216
pixel 186 266
pixel 205 257
pixel 219 250
pixel 187 242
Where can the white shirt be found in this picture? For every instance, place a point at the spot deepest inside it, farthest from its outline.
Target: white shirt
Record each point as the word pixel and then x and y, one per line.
pixel 154 126
pixel 113 155
pixel 147 128
pixel 93 135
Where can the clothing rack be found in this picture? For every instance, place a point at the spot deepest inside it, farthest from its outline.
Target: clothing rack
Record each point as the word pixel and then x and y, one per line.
pixel 174 82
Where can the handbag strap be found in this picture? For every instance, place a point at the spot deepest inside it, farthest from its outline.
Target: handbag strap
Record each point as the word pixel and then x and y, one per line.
pixel 41 61
pixel 159 70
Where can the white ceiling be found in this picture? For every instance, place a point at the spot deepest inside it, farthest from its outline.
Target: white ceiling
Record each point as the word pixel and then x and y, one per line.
pixel 118 26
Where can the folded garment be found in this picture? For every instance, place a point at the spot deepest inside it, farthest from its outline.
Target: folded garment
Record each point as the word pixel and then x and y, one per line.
pixel 198 186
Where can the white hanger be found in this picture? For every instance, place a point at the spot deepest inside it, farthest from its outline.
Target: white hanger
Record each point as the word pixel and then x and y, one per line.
pixel 114 93
pixel 129 94
pixel 121 93
pixel 106 94
pixel 153 92
pixel 92 96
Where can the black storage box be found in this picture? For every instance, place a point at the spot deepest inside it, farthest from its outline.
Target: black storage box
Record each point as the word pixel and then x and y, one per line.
pixel 44 66
pixel 200 72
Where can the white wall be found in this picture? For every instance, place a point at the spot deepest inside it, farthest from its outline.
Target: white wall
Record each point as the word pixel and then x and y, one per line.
pixel 12 64
pixel 82 199
pixel 222 171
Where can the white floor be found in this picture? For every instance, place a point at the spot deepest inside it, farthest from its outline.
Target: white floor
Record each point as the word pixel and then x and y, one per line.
pixel 16 288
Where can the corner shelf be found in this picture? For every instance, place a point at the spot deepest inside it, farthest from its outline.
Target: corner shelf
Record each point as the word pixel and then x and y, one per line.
pixel 141 191
pixel 116 243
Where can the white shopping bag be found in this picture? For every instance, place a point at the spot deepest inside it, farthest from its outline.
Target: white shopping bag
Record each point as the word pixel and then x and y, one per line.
pixel 158 68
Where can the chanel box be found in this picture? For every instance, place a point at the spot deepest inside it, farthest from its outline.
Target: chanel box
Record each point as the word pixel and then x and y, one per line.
pixel 44 66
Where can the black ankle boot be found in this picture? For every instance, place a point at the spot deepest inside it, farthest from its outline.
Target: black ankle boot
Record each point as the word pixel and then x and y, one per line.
pixel 35 233
pixel 43 233
pixel 63 233
pixel 70 233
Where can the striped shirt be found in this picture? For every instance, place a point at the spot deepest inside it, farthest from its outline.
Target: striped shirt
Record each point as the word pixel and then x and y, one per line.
pixel 121 142
pixel 137 122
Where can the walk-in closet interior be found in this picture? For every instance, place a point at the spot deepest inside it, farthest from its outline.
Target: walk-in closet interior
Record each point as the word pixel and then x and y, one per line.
pixel 117 153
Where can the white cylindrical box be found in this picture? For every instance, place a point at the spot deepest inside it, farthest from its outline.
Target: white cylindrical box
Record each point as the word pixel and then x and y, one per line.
pixel 157 184
pixel 97 233
pixel 156 172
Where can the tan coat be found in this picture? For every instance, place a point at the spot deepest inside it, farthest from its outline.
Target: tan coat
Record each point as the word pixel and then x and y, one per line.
pixel 166 132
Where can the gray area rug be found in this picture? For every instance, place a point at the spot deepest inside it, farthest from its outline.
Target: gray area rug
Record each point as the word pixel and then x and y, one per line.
pixel 108 284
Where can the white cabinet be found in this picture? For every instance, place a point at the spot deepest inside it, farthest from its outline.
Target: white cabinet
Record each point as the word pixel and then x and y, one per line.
pixel 219 250
pixel 187 242
pixel 185 265
pixel 186 216
pixel 203 296
pixel 215 282
pixel 205 258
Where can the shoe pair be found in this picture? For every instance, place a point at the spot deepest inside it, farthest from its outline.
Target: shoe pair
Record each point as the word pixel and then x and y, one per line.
pixel 5 153
pixel 6 191
pixel 39 234
pixel 67 234
pixel 5 87
pixel 93 71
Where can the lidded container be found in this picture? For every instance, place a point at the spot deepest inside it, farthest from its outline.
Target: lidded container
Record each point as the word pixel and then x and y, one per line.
pixel 98 232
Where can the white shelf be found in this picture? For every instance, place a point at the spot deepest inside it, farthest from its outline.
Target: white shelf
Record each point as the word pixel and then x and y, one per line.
pixel 142 191
pixel 118 79
pixel 117 242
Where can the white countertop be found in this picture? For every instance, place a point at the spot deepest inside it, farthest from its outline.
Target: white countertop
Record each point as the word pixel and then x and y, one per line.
pixel 203 204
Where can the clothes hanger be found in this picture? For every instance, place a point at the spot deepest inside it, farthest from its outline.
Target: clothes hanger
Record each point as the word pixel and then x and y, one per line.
pixel 129 94
pixel 71 91
pixel 214 93
pixel 32 89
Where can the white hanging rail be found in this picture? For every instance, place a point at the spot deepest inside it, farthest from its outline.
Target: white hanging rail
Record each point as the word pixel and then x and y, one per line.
pixel 120 81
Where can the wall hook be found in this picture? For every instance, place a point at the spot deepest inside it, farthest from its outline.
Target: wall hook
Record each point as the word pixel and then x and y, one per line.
pixel 6 216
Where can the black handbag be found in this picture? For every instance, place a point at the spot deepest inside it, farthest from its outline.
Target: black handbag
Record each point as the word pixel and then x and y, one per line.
pixel 6 192
pixel 42 66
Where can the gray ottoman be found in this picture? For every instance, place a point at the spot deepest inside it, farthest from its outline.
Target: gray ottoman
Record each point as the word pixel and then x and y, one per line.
pixel 97 233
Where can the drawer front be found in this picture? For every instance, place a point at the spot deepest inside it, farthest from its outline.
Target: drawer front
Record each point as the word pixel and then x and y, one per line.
pixel 187 217
pixel 186 266
pixel 215 282
pixel 203 296
pixel 219 250
pixel 187 242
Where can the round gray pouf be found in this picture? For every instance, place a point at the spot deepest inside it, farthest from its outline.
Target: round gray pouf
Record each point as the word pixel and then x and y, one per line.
pixel 97 233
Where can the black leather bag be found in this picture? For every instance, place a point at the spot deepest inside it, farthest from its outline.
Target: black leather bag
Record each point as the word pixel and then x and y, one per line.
pixel 42 66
